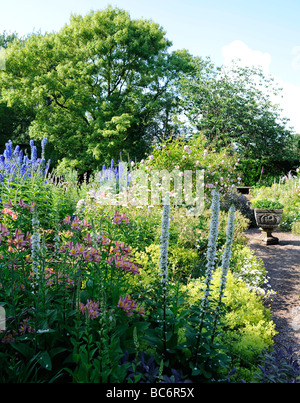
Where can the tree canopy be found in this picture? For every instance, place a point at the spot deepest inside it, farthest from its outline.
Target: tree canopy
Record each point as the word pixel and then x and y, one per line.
pixel 107 84
pixel 96 86
pixel 233 107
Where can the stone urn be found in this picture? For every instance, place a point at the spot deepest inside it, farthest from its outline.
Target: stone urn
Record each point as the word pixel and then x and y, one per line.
pixel 268 220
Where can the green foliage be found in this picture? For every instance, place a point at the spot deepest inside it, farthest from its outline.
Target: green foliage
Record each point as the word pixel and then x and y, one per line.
pixel 232 106
pixel 241 204
pixel 14 123
pixel 96 87
pixel 286 192
pixel 246 326
pixel 179 155
pixel 265 172
pixel 296 228
pixel 267 204
pixel 278 366
pixel 249 269
pixel 83 292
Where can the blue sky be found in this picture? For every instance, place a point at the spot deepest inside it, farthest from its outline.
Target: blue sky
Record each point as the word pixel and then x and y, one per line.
pixel 260 32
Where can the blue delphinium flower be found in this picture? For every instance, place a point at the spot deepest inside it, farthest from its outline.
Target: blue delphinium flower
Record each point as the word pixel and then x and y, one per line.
pixel 16 151
pixel 33 154
pixel 44 142
pixel 8 151
pixel 2 162
pixel 43 145
pixel 12 163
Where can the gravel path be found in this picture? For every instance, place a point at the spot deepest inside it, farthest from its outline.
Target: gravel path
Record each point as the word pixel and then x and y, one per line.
pixel 282 263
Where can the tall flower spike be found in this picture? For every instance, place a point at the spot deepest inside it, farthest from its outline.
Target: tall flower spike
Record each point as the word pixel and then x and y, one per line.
pixel 211 257
pixel 164 245
pixel 228 248
pixel 225 265
pixel 213 235
pixel 35 244
pixel 164 240
pixel 43 145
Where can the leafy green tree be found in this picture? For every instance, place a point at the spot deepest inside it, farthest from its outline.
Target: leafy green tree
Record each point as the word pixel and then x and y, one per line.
pixel 97 86
pixel 233 106
pixel 6 38
pixel 14 119
pixel 14 123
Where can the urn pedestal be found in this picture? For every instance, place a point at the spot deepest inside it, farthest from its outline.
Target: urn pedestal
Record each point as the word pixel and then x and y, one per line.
pixel 268 220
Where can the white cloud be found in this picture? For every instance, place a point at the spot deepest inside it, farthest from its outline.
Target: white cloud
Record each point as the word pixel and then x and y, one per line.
pixel 296 59
pixel 290 100
pixel 290 103
pixel 248 57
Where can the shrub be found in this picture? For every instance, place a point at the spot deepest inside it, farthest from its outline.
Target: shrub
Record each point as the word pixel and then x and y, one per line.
pixel 278 366
pixel 286 192
pixel 241 203
pixel 247 328
pixel 220 168
pixel 267 204
pixel 250 269
pixel 112 279
pixel 296 228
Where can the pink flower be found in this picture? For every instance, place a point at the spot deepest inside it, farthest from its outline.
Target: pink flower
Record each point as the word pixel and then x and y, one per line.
pixel 80 248
pixel 109 260
pixel 97 258
pixel 25 327
pixel 9 204
pixel 129 306
pixel 3 230
pixel 105 240
pixel 22 204
pixel 31 207
pixel 76 224
pixel 88 239
pixel 67 220
pixel 13 215
pixel 73 252
pixel 91 308
pixel 19 239
pixel 120 218
pixel 86 224
pixel 87 256
pixel 8 338
pixel 141 311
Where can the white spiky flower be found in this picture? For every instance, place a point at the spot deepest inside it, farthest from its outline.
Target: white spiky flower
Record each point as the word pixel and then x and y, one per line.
pixel 164 241
pixel 228 248
pixel 211 253
pixel 212 239
pixel 35 244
